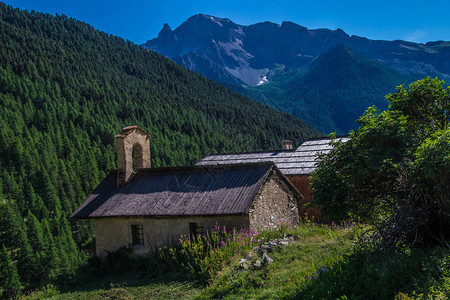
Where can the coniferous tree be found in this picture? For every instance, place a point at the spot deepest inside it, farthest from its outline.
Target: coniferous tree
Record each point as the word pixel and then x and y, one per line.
pixel 34 232
pixel 65 91
pixel 10 286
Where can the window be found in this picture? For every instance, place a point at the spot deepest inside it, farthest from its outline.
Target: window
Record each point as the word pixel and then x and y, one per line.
pixel 196 229
pixel 137 235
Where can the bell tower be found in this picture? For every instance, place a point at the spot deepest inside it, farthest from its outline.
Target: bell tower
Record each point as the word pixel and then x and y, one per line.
pixel 133 152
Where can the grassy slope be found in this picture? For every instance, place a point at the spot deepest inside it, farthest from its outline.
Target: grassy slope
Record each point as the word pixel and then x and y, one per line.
pixel 322 263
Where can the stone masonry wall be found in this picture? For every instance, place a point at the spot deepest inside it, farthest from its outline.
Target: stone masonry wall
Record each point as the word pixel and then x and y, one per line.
pixel 115 232
pixel 125 143
pixel 275 202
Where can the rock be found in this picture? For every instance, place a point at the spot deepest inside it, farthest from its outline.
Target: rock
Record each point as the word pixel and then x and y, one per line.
pixel 251 255
pixel 266 259
pixel 272 243
pixel 266 248
pixel 258 265
pixel 244 264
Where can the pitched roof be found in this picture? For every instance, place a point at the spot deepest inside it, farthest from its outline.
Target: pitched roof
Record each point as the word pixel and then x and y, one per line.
pixel 301 161
pixel 129 129
pixel 179 191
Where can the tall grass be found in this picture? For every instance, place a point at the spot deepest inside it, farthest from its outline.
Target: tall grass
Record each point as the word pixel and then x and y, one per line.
pixel 321 264
pixel 204 255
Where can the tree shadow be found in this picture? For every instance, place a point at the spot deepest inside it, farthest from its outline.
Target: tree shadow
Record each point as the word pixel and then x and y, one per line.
pixel 123 271
pixel 379 275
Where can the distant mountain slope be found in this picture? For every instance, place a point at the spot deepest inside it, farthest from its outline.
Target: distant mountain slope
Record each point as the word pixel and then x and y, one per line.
pixel 335 89
pixel 250 53
pixel 66 89
pixel 287 66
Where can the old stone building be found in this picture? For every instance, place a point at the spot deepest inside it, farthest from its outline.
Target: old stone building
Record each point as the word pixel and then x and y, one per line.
pixel 295 164
pixel 146 208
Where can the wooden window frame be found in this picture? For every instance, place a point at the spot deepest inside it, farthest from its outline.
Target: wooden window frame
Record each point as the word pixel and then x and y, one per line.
pixel 137 235
pixel 196 229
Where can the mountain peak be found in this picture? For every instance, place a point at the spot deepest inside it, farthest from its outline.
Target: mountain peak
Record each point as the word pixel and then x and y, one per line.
pixel 165 30
pixel 203 18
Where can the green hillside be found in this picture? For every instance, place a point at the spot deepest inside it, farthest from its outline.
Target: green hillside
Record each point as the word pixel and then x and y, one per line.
pixel 331 92
pixel 66 89
pixel 322 263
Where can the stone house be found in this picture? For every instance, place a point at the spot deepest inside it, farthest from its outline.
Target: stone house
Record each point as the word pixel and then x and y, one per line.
pixel 295 164
pixel 146 208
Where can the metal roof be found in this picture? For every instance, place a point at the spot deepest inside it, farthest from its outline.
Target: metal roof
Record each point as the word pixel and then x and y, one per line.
pixel 301 161
pixel 179 191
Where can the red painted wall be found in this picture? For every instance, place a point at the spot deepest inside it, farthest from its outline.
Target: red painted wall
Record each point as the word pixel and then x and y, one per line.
pixel 301 182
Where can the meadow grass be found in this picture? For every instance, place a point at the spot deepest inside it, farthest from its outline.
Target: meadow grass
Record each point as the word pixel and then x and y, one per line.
pixel 316 250
pixel 322 263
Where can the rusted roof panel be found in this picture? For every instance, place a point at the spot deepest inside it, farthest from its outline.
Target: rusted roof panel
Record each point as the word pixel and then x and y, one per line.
pixel 301 161
pixel 182 191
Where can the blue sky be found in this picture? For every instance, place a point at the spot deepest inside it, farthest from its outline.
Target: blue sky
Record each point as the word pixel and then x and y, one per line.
pixel 140 20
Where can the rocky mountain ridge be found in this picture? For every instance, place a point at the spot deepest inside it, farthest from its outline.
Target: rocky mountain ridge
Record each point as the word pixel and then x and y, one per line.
pixel 250 55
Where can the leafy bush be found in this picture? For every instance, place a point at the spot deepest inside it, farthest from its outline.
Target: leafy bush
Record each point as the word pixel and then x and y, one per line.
pixel 420 274
pixel 394 171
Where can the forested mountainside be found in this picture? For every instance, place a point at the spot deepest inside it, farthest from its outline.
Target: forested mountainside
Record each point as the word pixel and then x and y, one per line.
pixel 288 57
pixel 66 89
pixel 332 91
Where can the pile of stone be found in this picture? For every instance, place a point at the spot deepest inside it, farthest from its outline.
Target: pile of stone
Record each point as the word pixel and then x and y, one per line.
pixel 257 258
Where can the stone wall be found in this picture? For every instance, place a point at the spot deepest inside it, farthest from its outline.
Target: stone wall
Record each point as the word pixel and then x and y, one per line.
pixel 275 202
pixel 115 232
pixel 131 138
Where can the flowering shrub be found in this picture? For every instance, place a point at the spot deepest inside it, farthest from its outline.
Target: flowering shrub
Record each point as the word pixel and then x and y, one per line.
pixel 203 255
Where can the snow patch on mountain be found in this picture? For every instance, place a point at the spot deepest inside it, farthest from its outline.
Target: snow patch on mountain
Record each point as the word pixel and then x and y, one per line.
pixel 249 75
pixel 263 80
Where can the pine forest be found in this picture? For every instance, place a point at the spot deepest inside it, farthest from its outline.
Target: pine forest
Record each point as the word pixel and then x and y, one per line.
pixel 66 89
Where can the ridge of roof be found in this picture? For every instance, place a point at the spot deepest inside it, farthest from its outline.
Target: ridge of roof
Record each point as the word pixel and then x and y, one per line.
pixel 200 167
pixel 278 150
pixel 129 129
pixel 251 152
pixel 327 138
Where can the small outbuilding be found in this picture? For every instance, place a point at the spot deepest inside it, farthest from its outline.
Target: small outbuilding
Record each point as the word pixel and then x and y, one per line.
pixel 295 164
pixel 145 208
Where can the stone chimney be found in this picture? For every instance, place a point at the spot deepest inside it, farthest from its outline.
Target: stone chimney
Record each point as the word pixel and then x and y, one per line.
pixel 286 145
pixel 131 141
